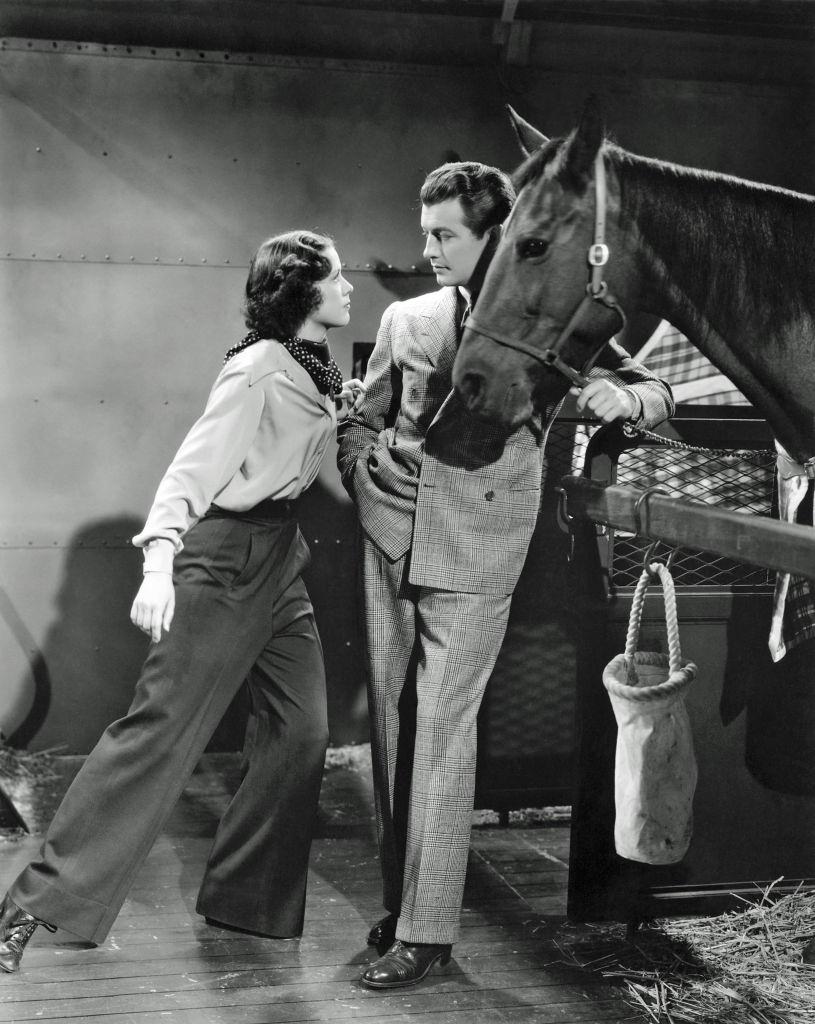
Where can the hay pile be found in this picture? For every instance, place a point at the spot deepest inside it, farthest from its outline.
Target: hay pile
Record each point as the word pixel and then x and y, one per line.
pixel 21 764
pixel 743 967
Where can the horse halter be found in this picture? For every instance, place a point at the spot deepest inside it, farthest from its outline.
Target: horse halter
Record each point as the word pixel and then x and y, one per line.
pixel 596 291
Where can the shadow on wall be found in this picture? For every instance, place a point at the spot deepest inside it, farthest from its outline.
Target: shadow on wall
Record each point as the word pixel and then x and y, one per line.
pixel 83 676
pixel 402 284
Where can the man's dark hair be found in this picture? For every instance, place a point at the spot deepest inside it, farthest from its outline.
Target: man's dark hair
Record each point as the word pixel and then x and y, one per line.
pixel 281 289
pixel 486 194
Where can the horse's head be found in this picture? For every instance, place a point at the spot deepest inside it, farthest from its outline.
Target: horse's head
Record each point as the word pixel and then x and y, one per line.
pixel 531 324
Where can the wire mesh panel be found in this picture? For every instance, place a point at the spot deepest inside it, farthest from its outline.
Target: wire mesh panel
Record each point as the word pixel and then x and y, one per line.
pixel 741 481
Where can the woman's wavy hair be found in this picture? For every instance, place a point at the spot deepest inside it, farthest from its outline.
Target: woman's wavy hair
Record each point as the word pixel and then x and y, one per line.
pixel 281 289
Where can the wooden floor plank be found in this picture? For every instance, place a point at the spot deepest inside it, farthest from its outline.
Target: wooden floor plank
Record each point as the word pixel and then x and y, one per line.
pixel 163 963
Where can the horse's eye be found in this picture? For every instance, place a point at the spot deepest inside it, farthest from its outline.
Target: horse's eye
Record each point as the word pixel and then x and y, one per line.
pixel 532 248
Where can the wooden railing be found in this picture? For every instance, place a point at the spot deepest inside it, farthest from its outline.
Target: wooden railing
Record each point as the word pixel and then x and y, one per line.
pixel 756 540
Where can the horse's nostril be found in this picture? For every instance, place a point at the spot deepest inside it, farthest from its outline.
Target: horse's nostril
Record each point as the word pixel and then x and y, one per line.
pixel 470 386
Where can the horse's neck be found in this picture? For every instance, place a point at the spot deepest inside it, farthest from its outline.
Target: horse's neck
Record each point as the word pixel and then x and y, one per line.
pixel 708 266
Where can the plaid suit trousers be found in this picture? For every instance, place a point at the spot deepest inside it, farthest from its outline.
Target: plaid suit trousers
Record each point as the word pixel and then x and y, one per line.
pixel 430 655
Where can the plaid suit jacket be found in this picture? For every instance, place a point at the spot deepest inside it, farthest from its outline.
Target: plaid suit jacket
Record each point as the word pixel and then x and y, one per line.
pixel 429 478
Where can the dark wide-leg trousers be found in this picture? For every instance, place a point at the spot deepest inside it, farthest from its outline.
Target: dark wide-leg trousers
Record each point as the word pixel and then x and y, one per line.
pixel 242 613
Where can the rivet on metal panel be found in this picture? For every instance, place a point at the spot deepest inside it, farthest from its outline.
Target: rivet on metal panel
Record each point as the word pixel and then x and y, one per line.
pixel 33 255
pixel 82 256
pixel 226 261
pixel 59 255
pixel 203 259
pixel 132 259
pixel 180 259
pixel 413 266
pixel 107 255
pixel 367 266
pixel 155 259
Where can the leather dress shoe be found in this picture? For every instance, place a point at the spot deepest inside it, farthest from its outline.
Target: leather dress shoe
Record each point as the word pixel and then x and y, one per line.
pixel 16 928
pixel 383 932
pixel 405 964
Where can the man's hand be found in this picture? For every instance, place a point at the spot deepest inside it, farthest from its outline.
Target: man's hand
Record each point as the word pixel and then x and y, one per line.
pixel 154 605
pixel 351 396
pixel 606 401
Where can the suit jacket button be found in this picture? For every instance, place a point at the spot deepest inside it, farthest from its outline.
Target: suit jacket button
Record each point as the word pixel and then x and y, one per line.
pixel 489 495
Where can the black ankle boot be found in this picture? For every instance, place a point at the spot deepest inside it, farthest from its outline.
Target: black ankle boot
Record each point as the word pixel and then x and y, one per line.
pixel 16 928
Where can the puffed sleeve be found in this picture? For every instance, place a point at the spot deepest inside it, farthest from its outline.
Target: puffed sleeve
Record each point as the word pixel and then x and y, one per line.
pixel 210 455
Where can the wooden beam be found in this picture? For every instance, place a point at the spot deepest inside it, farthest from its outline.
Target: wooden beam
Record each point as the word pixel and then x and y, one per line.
pixel 756 540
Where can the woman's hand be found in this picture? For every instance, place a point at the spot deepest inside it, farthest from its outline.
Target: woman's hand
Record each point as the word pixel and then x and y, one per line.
pixel 351 396
pixel 154 605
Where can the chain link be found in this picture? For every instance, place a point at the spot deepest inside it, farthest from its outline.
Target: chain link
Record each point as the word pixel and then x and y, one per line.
pixel 767 454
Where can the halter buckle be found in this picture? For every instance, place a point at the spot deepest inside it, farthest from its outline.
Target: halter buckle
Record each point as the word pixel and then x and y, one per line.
pixel 598 254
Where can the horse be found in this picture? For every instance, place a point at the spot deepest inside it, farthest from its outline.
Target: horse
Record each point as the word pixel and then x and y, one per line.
pixel 597 232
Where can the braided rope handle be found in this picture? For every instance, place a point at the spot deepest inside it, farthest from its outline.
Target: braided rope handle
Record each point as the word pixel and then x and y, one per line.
pixel 671 619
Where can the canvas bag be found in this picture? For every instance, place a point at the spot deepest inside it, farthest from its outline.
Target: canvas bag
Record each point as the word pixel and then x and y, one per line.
pixel 655 767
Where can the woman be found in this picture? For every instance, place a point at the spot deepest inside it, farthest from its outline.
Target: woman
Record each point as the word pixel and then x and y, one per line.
pixel 223 600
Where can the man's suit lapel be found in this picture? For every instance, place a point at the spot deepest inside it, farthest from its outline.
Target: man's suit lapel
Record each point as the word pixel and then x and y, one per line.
pixel 439 330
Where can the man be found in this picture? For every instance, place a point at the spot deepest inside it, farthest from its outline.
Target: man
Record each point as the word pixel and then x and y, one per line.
pixel 448 506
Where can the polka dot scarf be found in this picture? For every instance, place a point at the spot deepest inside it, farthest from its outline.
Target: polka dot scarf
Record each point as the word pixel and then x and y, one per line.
pixel 324 372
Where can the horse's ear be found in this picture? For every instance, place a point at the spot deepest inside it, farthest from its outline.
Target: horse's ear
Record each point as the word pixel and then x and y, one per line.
pixel 583 143
pixel 529 138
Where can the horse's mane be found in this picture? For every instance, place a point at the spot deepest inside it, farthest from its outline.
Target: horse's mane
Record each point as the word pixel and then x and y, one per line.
pixel 752 243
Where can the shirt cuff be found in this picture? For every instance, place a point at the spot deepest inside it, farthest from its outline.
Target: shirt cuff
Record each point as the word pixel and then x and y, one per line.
pixel 636 412
pixel 158 555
